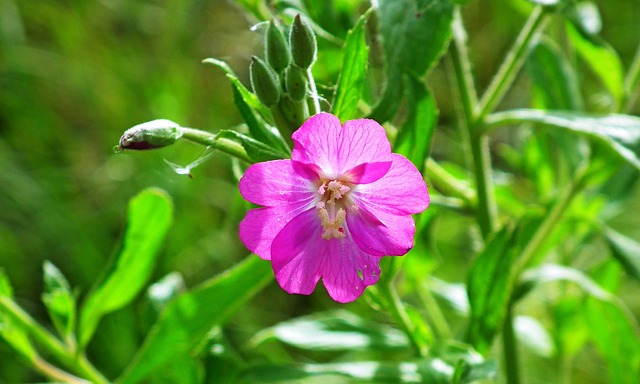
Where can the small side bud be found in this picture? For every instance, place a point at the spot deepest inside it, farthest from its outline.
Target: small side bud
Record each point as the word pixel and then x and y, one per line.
pixel 276 48
pixel 303 44
pixel 264 82
pixel 296 82
pixel 150 135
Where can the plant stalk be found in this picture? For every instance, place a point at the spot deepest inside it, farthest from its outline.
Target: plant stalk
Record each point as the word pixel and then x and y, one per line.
pixel 510 351
pixel 212 140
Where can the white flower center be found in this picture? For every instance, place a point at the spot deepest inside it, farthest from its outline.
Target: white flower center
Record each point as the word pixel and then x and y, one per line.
pixel 331 208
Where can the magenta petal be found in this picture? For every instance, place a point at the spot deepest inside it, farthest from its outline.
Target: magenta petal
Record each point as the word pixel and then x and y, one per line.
pixel 278 182
pixel 261 225
pixel 401 191
pixel 367 172
pixel 300 257
pixel 295 261
pixel 323 141
pixel 381 235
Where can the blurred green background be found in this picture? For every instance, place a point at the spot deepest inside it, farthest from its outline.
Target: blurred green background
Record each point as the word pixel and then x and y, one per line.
pixel 75 74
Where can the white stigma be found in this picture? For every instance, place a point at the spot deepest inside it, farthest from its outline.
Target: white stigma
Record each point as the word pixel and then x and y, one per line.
pixel 331 208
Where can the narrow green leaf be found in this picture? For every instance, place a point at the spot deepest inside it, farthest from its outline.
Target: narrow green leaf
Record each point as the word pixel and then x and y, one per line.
pixel 149 217
pixel 602 59
pixel 617 340
pixel 553 78
pixel 247 96
pixel 59 300
pixel 187 320
pixel 256 150
pixel 414 139
pixel 489 288
pixel 625 250
pixel 334 331
pixel 354 70
pixel 11 331
pixel 414 35
pixel 258 128
pixel 619 132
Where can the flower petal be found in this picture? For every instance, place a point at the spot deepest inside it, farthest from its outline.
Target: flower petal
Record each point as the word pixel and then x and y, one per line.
pixel 278 182
pixel 381 235
pixel 367 172
pixel 300 257
pixel 323 141
pixel 261 225
pixel 401 191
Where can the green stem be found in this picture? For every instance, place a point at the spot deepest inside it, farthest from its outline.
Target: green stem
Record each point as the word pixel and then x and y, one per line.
pixel 448 184
pixel 512 63
pixel 487 211
pixel 399 313
pixel 631 83
pixel 212 140
pixel 440 325
pixel 314 93
pixel 51 343
pixel 510 351
pixel 462 67
pixel 56 374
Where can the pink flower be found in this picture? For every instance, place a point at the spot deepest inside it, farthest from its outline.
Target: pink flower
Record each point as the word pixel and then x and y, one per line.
pixel 341 203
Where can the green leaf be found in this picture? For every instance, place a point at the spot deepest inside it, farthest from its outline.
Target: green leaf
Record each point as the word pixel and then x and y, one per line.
pixel 256 150
pixel 414 35
pixel 59 300
pixel 616 336
pixel 334 331
pixel 619 132
pixel 625 250
pixel 489 288
pixel 149 217
pixel 12 331
pixel 188 319
pixel 602 59
pixel 553 77
pixel 248 97
pixel 354 70
pixel 258 129
pixel 414 139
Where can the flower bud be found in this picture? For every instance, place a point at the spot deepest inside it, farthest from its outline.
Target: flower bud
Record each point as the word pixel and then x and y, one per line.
pixel 302 41
pixel 276 49
pixel 296 82
pixel 264 82
pixel 153 134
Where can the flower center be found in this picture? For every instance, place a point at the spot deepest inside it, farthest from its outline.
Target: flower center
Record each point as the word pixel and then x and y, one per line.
pixel 331 208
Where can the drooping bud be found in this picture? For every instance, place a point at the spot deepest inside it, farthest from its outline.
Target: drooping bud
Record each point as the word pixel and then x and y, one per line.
pixel 264 82
pixel 296 82
pixel 150 135
pixel 303 44
pixel 276 49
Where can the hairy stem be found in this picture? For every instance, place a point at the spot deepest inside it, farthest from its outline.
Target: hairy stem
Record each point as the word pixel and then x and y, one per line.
pixel 212 140
pixel 314 93
pixel 510 346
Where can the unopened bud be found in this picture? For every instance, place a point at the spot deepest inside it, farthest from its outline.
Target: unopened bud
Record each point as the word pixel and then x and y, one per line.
pixel 264 82
pixel 276 49
pixel 150 135
pixel 296 82
pixel 303 43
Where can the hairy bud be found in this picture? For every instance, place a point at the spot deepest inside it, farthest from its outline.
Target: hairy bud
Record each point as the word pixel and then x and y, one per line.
pixel 276 48
pixel 264 82
pixel 296 82
pixel 303 44
pixel 150 135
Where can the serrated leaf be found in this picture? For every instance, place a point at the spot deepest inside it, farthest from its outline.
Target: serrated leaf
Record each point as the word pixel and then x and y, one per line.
pixel 187 320
pixel 625 250
pixel 616 335
pixel 354 70
pixel 414 35
pixel 148 219
pixel 256 150
pixel 59 300
pixel 258 129
pixel 334 331
pixel 489 288
pixel 603 60
pixel 619 132
pixel 247 96
pixel 414 139
pixel 11 331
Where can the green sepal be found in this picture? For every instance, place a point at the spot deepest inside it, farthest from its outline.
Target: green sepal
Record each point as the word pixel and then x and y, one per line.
pixel 264 82
pixel 303 43
pixel 276 48
pixel 150 135
pixel 296 82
